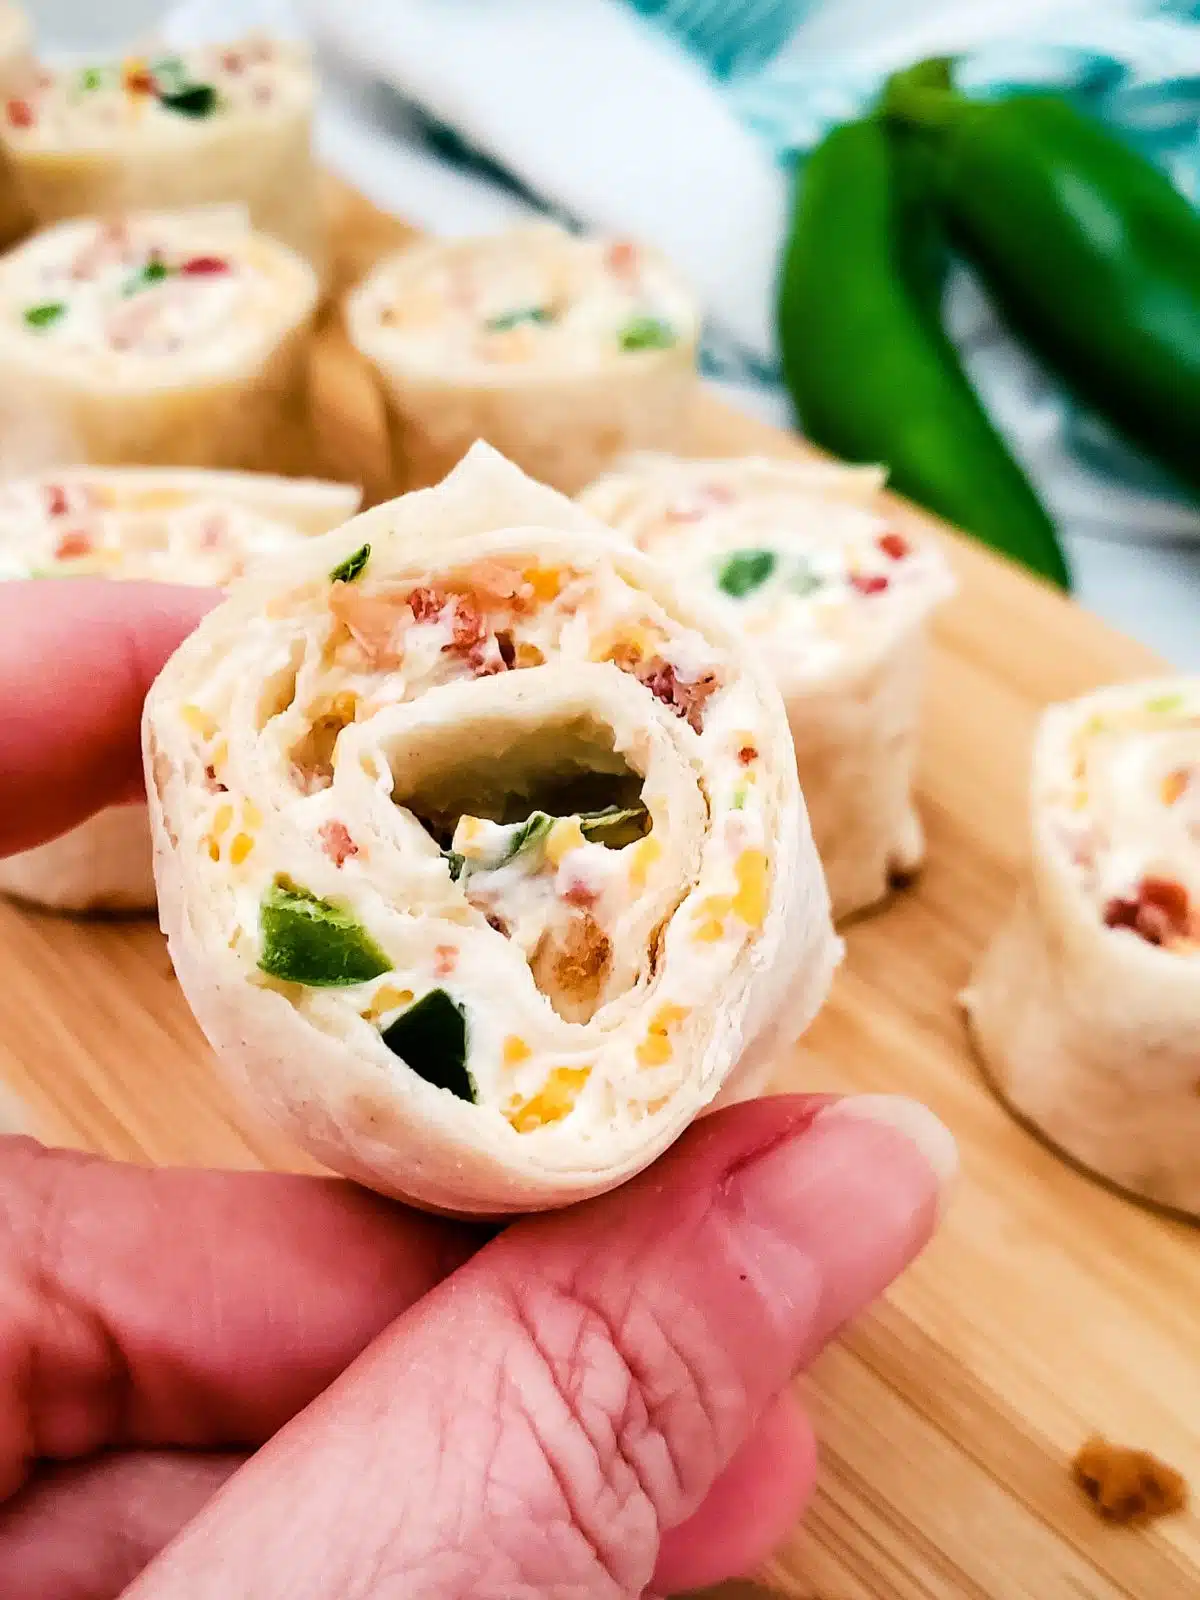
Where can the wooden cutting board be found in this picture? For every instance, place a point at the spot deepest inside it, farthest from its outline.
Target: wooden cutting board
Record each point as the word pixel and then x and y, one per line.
pixel 1048 1308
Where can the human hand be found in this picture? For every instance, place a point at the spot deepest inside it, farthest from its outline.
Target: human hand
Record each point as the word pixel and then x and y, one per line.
pixel 589 1403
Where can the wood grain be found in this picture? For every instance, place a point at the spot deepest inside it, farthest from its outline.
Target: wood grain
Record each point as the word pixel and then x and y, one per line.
pixel 1046 1310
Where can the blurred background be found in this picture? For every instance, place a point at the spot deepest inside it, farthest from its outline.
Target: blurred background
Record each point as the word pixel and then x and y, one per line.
pixel 681 121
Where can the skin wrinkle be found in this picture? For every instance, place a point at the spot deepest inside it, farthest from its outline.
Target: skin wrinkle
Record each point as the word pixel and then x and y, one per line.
pixel 73 1365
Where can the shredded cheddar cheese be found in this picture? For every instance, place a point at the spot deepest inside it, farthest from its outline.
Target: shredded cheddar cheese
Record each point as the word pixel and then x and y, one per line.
pixel 553 1103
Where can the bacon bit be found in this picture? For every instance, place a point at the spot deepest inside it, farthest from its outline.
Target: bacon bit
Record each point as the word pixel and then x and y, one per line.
pixel 467 627
pixel 426 604
pixel 57 504
pixel 213 782
pixel 686 700
pixel 1158 914
pixel 869 583
pixel 74 543
pixel 504 643
pixel 494 920
pixel 747 754
pixel 339 846
pixel 894 545
pixel 445 959
pixel 204 267
pixel 20 113
pixel 1127 1486
pixel 622 257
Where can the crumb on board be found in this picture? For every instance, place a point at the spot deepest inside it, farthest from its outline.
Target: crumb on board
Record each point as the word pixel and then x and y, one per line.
pixel 1127 1486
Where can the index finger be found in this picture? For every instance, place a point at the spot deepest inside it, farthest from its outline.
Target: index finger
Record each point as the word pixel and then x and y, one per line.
pixel 77 657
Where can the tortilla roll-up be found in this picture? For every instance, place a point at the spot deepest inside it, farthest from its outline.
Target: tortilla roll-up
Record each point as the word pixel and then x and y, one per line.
pixel 502 873
pixel 560 351
pixel 223 123
pixel 16 76
pixel 161 338
pixel 799 556
pixel 1086 1007
pixel 147 523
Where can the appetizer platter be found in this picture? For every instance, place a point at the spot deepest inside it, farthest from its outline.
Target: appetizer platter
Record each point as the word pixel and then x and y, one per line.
pixel 1050 1308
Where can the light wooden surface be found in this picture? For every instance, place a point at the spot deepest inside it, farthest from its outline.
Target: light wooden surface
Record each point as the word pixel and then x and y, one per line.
pixel 1046 1310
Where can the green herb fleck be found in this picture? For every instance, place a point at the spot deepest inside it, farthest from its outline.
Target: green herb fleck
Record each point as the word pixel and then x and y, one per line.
pixel 744 571
pixel 155 270
pixel 92 78
pixel 647 333
pixel 431 1038
pixel 45 316
pixel 804 580
pixel 615 826
pixel 1165 702
pixel 169 74
pixel 455 863
pixel 197 100
pixel 514 319
pixel 527 834
pixel 739 798
pixel 346 571
pixel 310 941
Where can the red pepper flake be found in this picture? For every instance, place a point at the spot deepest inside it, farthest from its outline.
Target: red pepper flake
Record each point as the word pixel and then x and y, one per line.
pixel 213 782
pixel 339 846
pixel 20 113
pixel 868 582
pixel 204 267
pixel 579 893
pixel 747 754
pixel 445 959
pixel 1158 912
pixel 140 82
pixel 74 543
pixel 232 61
pixel 622 257
pixel 57 503
pixel 426 604
pixel 894 545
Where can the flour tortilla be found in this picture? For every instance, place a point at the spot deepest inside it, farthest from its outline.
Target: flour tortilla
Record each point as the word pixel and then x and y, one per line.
pixel 313 1059
pixel 1091 1034
pixel 105 864
pixel 564 410
pixel 851 670
pixel 256 155
pixel 231 396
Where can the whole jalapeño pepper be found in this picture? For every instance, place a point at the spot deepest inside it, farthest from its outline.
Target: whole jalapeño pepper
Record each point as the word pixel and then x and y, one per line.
pixel 1091 254
pixel 871 371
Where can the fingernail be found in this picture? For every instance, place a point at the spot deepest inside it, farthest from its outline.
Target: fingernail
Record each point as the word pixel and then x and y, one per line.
pixel 909 1117
pixel 842 1205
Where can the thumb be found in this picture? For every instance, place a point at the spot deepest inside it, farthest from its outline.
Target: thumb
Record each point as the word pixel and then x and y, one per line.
pixel 533 1426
